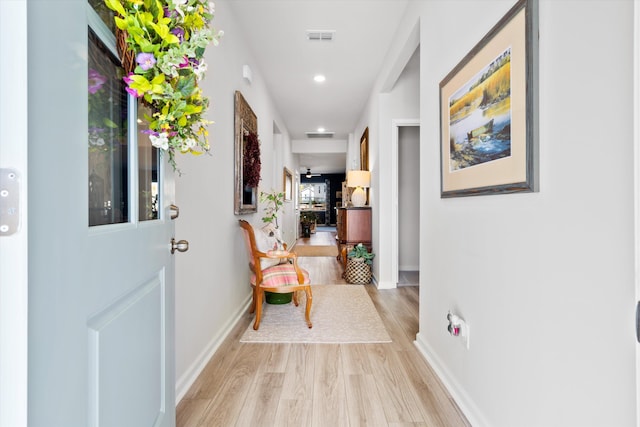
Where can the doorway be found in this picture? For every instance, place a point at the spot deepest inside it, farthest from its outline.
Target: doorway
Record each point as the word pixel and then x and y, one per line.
pixel 405 256
pixel 408 205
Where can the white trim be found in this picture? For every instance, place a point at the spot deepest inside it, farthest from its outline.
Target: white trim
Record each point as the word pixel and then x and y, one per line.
pixel 395 134
pixel 189 377
pixel 636 146
pixel 462 399
pixel 14 248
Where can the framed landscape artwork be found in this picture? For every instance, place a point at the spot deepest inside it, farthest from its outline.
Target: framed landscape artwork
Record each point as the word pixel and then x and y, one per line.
pixel 488 111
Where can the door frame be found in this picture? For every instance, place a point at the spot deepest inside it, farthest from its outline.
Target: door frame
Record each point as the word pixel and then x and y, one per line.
pixel 636 144
pixel 396 124
pixel 13 263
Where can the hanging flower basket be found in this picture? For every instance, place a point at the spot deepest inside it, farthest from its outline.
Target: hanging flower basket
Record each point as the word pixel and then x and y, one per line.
pixel 161 44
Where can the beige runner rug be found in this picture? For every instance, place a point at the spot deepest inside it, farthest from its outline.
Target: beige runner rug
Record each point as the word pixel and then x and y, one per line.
pixel 307 250
pixel 340 314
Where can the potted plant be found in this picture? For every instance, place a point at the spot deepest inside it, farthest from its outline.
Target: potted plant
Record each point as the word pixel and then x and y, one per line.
pixel 361 253
pixel 308 223
pixel 274 203
pixel 359 261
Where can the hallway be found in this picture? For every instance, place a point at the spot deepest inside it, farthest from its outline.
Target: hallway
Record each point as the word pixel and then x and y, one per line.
pixel 323 384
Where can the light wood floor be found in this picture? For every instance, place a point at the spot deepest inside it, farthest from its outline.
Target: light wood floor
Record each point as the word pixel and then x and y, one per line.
pixel 318 385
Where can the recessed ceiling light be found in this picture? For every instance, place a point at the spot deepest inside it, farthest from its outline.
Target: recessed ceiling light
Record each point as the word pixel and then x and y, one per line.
pixel 319 78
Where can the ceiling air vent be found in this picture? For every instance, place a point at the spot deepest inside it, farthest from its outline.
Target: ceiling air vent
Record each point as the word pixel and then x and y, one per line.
pixel 320 35
pixel 319 134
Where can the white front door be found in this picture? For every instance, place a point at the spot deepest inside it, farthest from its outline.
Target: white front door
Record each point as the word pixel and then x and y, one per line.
pixel 101 274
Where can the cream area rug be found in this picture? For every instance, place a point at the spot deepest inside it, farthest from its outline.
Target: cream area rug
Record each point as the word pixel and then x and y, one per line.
pixel 316 250
pixel 340 314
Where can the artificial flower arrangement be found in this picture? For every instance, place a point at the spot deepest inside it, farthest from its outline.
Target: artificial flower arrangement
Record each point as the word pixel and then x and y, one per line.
pixel 168 39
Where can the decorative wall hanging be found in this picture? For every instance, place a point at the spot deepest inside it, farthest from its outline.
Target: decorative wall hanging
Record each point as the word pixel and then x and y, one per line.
pixel 488 111
pixel 247 157
pixel 161 46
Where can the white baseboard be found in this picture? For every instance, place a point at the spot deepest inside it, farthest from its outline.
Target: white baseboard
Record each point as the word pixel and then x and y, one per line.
pixel 382 285
pixel 386 285
pixel 189 377
pixel 462 399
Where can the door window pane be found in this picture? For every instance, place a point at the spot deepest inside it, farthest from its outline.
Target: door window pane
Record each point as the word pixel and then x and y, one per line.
pixel 104 13
pixel 148 168
pixel 107 139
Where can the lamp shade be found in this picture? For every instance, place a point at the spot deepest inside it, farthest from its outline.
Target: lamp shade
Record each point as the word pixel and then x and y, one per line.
pixel 358 179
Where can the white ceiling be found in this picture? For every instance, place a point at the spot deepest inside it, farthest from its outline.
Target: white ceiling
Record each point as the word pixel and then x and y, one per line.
pixel 287 62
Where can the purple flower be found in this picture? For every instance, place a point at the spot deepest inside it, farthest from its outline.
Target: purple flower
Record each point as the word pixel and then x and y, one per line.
pixel 184 63
pixel 178 32
pixel 127 79
pixel 96 80
pixel 133 92
pixel 169 13
pixel 146 61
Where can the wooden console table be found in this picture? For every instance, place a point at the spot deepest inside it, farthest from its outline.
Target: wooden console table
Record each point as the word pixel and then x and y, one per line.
pixel 353 226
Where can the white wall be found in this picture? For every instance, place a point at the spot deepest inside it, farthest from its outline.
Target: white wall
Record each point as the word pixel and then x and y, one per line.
pixel 212 282
pixel 400 100
pixel 545 280
pixel 409 198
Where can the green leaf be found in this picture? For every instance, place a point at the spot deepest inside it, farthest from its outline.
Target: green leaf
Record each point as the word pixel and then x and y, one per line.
pixel 158 79
pixel 121 23
pixel 192 109
pixel 116 6
pixel 146 19
pixel 186 85
pixel 161 30
pixel 134 29
pixel 145 45
pixel 109 123
pixel 172 39
pixel 140 83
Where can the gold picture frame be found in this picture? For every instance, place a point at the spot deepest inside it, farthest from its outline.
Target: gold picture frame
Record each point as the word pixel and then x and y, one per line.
pixel 287 184
pixel 246 125
pixel 364 150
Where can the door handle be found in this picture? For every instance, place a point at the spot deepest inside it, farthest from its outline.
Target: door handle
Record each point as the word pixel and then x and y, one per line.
pixel 180 245
pixel 175 211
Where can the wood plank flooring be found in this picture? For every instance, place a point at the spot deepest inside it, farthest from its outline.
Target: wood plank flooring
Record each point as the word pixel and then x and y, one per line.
pixel 324 385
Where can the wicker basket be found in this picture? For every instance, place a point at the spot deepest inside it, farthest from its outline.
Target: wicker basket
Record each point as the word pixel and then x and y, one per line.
pixel 357 272
pixel 127 56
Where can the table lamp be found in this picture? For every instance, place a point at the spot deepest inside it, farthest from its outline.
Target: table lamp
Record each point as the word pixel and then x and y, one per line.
pixel 358 180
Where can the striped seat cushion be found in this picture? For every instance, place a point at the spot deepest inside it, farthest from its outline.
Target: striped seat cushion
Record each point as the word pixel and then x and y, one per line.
pixel 280 275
